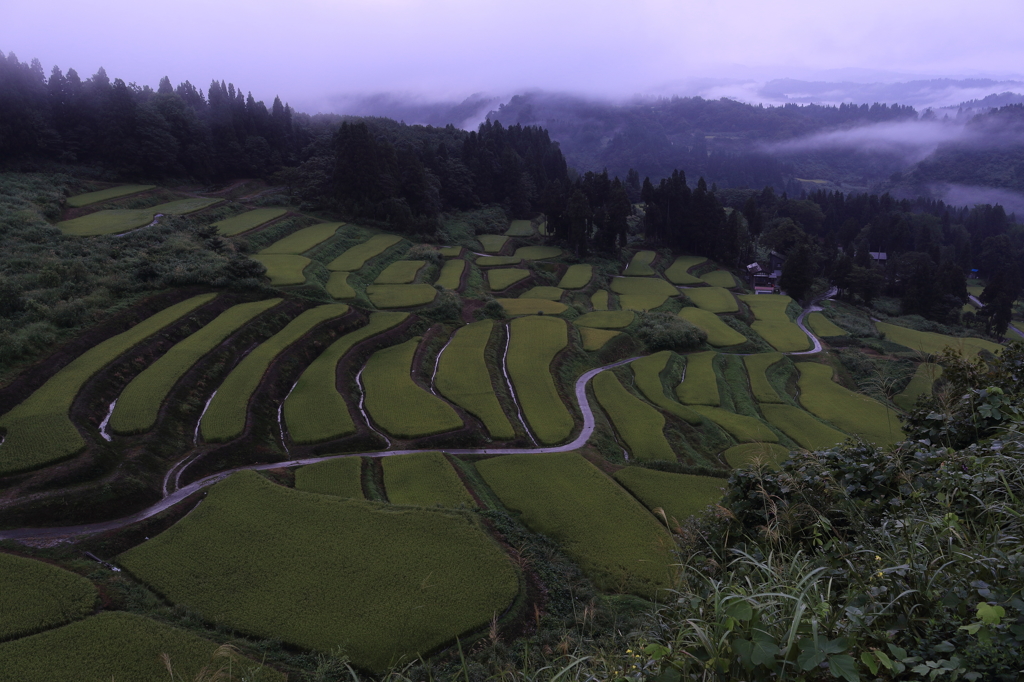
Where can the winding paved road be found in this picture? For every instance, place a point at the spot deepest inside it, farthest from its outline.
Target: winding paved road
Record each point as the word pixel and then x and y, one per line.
pixel 174 497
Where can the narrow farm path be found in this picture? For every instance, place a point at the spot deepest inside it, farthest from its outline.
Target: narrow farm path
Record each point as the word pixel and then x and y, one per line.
pixel 173 497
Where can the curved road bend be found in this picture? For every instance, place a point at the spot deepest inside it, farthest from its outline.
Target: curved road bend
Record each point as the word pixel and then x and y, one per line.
pixel 177 496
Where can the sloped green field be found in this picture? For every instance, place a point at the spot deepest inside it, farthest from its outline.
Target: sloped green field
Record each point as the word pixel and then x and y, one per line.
pixel 719 278
pixel 338 286
pixel 757 365
pixel 184 206
pixel 381 582
pixel 356 257
pixel 400 272
pixel 638 424
pixel 931 343
pixel 492 243
pixel 640 264
pixel 641 302
pixel 677 273
pixel 538 252
pixel 647 374
pixel 109 221
pixel 342 477
pixel 451 251
pixel 303 240
pixel 852 412
pixel 599 299
pixel 249 220
pixel 774 325
pixel 606 319
pixel 531 306
pixel 139 403
pixel 451 274
pixel 284 269
pixel 719 333
pixel 713 299
pixel 822 326
pixel 314 411
pixel 498 280
pixel 533 344
pixel 699 385
pixel 119 646
pixel 88 198
pixel 643 286
pixel 396 403
pixel 772 454
pixel 546 293
pixel 226 414
pixel 618 544
pixel 36 596
pixel 424 479
pixel 741 427
pixel 400 295
pixel 497 261
pixel 38 431
pixel 595 339
pixel 807 431
pixel 920 384
pixel 679 495
pixel 577 277
pixel 520 228
pixel 463 378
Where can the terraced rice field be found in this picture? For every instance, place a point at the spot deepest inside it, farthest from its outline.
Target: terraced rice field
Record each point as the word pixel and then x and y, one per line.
pixel 463 378
pixel 774 325
pixel 538 252
pixel 184 206
pixel 531 306
pixel 400 295
pixel 640 286
pixel 800 426
pixel 303 240
pixel 283 269
pixel 39 431
pixel 356 257
pixel 606 319
pixel 599 300
pixel 757 367
pixel 342 477
pixel 719 333
pixel 397 403
pixel 822 326
pixel 385 584
pixel 338 286
pixel 577 277
pixel 497 261
pixel 719 278
pixel 677 272
pixel 249 220
pixel 498 280
pixel 520 228
pixel 139 403
pixel 920 384
pixel 638 424
pixel 595 339
pixel 118 646
pixel 713 299
pixel 546 293
pixel 771 454
pixel 647 375
pixel 424 479
pixel 400 272
pixel 314 411
pixel 451 251
pixel 617 543
pixel 36 596
pixel 110 221
pixel 679 495
pixel 226 414
pixel 852 412
pixel 96 197
pixel 492 243
pixel 640 264
pixel 533 344
pixel 931 343
pixel 741 427
pixel 451 274
pixel 700 384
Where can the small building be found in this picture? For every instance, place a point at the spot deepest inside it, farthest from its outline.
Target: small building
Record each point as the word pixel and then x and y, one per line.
pixel 880 257
pixel 764 277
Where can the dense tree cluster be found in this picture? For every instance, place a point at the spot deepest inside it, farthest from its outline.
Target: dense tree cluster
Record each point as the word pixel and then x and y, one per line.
pixel 139 132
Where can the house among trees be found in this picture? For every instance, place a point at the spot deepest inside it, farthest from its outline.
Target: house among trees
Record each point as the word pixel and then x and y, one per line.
pixel 764 277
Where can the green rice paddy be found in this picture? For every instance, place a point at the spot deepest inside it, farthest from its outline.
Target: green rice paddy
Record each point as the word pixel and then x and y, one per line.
pixel 606 319
pixel 88 198
pixel 341 477
pixel 451 251
pixel 183 206
pixel 424 479
pixel 284 269
pixel 464 378
pixel 638 424
pixel 719 333
pixel 492 243
pixel 772 454
pixel 595 339
pixel 520 228
pixel 498 280
pixel 538 252
pixel 800 426
pixel 497 261
pixel 713 299
pixel 680 496
pixel 719 278
pixel 534 341
pixel 105 222
pixel 338 286
pixel 643 286
pixel 931 343
pixel 615 540
pixel 700 384
pixel 314 411
pixel 822 326
pixel 36 596
pixel 852 412
pixel 384 583
pixel 400 272
pixel 303 240
pixel 647 374
pixel 760 387
pixel 451 274
pixel 577 277
pixel 642 302
pixel 640 264
pixel 139 403
pixel 355 257
pixel 399 405
pixel 226 414
pixel 531 306
pixel 546 293
pixel 741 427
pixel 677 273
pixel 38 430
pixel 400 295
pixel 774 325
pixel 920 384
pixel 249 220
pixel 599 300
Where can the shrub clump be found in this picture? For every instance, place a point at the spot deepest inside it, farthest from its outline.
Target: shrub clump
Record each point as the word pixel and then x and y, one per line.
pixel 665 331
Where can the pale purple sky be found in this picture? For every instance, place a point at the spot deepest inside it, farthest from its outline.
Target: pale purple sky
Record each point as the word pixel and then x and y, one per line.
pixel 310 51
